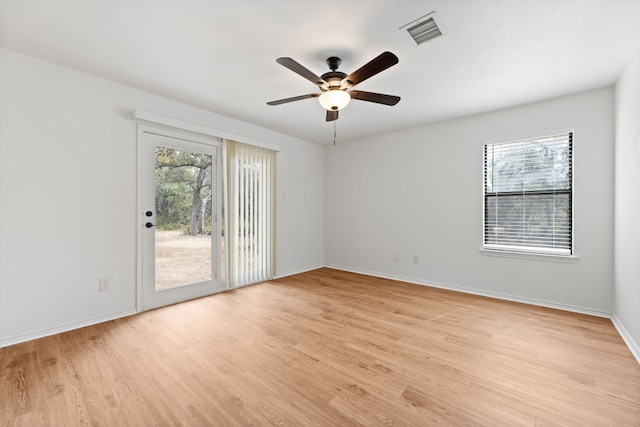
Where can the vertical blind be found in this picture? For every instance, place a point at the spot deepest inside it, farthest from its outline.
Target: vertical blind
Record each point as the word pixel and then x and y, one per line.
pixel 528 195
pixel 248 212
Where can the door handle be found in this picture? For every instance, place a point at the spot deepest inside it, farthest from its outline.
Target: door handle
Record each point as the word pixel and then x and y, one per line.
pixel 149 225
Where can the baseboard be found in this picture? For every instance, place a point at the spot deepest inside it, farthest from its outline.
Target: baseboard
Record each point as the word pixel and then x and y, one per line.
pixel 496 295
pixel 626 336
pixel 302 270
pixel 17 339
pixel 633 346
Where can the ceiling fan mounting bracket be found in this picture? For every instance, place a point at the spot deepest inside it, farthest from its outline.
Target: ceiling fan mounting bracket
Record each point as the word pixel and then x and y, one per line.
pixel 333 62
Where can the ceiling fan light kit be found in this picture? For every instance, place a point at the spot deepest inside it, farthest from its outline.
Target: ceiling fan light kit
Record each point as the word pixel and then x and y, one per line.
pixel 334 99
pixel 336 85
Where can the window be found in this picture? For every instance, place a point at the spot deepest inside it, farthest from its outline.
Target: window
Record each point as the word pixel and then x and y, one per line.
pixel 528 195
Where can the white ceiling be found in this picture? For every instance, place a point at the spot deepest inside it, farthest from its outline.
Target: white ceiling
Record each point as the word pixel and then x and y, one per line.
pixel 220 54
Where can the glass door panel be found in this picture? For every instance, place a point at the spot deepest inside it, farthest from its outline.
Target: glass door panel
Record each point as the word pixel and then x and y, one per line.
pixel 183 244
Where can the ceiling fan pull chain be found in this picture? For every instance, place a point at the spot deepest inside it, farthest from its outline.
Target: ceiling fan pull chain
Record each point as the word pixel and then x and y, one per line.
pixel 334 133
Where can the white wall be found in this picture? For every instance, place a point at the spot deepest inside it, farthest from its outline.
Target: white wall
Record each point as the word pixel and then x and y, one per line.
pixel 68 195
pixel 419 192
pixel 300 209
pixel 626 307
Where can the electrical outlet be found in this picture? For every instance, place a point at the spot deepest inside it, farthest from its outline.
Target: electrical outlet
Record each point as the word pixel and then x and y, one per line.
pixel 415 259
pixel 103 284
pixel 396 257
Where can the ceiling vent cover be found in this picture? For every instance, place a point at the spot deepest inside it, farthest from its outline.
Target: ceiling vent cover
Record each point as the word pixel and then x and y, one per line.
pixel 423 29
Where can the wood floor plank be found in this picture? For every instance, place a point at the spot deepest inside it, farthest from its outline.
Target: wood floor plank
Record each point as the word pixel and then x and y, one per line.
pixel 327 348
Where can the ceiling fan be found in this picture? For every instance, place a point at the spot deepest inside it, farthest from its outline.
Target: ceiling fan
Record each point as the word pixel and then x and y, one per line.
pixel 336 85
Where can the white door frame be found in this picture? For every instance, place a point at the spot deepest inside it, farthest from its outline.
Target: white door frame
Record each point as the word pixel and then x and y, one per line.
pixel 141 207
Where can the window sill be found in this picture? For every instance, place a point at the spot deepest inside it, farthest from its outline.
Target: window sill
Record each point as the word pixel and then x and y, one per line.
pixel 526 255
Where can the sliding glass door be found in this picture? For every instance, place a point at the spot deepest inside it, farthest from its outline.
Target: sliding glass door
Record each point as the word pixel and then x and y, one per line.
pixel 206 216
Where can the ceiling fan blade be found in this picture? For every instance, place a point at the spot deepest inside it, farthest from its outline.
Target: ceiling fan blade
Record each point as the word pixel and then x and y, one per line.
pixel 295 98
pixel 371 68
pixel 332 115
pixel 302 71
pixel 378 98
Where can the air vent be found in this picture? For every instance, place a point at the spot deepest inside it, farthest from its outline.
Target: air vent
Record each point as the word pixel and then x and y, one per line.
pixel 423 30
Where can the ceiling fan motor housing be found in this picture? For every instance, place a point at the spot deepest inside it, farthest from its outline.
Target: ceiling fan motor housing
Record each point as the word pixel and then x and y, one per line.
pixel 333 78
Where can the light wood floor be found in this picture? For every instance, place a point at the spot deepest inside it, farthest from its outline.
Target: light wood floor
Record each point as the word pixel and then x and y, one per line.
pixel 327 348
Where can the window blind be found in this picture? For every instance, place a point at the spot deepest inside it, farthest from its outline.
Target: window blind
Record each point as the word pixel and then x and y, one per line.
pixel 528 195
pixel 249 174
